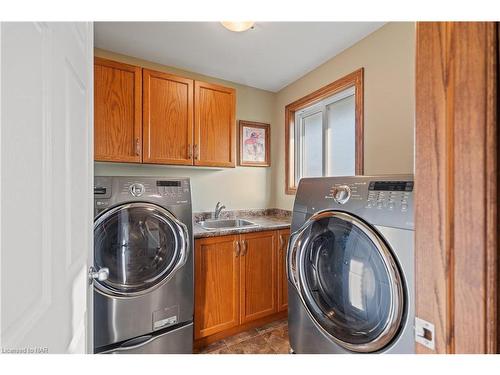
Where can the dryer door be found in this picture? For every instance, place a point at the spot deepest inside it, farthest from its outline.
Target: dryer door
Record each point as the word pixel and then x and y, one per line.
pixel 142 244
pixel 348 281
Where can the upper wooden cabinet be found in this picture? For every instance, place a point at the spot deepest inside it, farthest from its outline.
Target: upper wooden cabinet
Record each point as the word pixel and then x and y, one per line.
pixel 215 126
pixel 167 118
pixel 117 111
pixel 145 116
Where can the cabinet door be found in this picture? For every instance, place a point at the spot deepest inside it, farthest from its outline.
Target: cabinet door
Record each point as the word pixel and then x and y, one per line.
pixel 216 285
pixel 167 118
pixel 283 237
pixel 215 127
pixel 258 275
pixel 117 111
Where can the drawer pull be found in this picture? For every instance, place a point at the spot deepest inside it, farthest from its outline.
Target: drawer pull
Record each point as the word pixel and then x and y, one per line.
pixel 137 147
pixel 196 152
pixel 245 247
pixel 237 248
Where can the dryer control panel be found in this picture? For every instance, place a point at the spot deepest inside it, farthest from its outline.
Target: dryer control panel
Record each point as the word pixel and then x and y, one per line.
pixel 385 200
pixel 380 195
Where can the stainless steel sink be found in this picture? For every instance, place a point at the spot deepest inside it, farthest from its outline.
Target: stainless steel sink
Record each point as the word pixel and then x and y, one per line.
pixel 226 224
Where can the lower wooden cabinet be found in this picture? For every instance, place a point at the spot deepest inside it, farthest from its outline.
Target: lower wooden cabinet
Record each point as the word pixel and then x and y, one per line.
pixel 283 237
pixel 239 279
pixel 216 290
pixel 258 271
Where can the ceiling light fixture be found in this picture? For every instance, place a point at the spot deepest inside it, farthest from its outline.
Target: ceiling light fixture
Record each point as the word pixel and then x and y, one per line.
pixel 238 26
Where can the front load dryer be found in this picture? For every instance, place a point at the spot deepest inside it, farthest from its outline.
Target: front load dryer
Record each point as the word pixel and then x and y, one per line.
pixel 351 266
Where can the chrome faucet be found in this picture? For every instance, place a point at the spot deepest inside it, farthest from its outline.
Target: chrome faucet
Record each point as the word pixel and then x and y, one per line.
pixel 218 208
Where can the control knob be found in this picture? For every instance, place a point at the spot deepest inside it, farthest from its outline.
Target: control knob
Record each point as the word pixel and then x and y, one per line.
pixel 341 194
pixel 137 189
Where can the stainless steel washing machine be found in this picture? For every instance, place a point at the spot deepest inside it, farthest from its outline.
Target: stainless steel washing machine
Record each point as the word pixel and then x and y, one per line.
pixel 143 238
pixel 351 266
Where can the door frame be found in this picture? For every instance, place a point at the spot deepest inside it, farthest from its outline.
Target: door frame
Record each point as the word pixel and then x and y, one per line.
pixel 456 185
pixel 90 135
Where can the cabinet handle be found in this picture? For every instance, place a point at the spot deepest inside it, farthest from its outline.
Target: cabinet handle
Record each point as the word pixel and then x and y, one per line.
pixel 237 248
pixel 282 242
pixel 137 150
pixel 245 248
pixel 190 152
pixel 196 152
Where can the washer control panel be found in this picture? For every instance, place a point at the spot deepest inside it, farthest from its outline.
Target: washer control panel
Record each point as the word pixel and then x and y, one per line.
pixel 110 190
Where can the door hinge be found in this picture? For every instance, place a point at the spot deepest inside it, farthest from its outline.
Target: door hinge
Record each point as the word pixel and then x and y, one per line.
pixel 424 333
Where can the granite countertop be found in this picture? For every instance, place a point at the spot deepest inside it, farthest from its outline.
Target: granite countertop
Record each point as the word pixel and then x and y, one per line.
pixel 268 219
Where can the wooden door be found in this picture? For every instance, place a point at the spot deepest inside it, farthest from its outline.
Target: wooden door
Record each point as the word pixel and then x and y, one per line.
pixel 456 176
pixel 216 285
pixel 215 126
pixel 117 111
pixel 167 118
pixel 47 176
pixel 258 275
pixel 283 237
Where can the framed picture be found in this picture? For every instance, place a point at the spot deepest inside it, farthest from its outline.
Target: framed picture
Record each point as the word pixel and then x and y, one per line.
pixel 255 139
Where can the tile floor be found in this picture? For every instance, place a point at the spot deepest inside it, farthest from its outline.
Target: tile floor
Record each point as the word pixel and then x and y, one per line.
pixel 269 339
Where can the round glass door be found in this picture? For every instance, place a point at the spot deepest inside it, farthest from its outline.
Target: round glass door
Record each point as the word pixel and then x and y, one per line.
pixel 349 281
pixel 142 245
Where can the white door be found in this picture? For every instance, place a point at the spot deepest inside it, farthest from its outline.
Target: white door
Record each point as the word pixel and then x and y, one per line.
pixel 46 175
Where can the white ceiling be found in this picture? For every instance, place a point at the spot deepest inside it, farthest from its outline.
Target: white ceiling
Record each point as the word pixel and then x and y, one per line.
pixel 270 56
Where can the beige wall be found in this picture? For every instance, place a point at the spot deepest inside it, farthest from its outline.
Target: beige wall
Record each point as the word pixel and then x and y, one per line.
pixel 388 58
pixel 240 187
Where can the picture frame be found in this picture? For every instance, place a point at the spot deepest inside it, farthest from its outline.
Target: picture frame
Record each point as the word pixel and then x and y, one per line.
pixel 254 144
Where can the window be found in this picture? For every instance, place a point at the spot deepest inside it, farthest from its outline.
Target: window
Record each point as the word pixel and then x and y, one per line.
pixel 324 132
pixel 325 137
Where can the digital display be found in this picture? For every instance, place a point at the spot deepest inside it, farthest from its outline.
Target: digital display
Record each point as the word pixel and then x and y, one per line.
pixel 168 183
pixel 391 185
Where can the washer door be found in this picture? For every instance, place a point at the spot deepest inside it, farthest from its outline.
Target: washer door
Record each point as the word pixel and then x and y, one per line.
pixel 142 244
pixel 348 281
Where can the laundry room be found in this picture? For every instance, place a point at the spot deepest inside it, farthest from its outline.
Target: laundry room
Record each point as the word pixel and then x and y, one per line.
pixel 197 126
pixel 224 188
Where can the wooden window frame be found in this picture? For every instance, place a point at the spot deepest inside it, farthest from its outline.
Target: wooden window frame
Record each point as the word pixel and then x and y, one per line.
pixel 354 79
